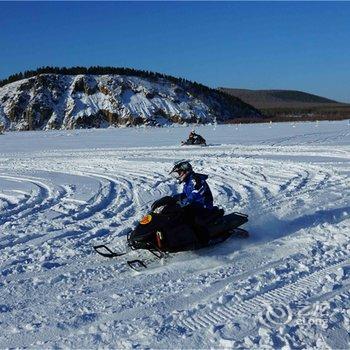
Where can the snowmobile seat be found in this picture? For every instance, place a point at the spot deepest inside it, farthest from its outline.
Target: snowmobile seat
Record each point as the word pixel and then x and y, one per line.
pixel 216 213
pixel 212 215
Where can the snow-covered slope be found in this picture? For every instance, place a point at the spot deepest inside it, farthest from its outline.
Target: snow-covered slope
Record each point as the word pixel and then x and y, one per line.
pixel 61 192
pixel 57 101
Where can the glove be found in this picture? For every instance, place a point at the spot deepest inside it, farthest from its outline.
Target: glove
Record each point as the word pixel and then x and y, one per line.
pixel 183 202
pixel 178 197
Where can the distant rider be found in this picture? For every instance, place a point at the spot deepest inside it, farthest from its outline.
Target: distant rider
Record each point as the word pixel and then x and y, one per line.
pixel 196 139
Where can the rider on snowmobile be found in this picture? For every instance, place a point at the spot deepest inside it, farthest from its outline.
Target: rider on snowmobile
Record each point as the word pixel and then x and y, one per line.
pixel 192 135
pixel 196 191
pixel 196 197
pixel 196 138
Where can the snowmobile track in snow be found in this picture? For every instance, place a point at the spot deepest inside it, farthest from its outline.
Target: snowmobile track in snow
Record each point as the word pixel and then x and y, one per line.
pixel 295 291
pixel 55 204
pixel 42 199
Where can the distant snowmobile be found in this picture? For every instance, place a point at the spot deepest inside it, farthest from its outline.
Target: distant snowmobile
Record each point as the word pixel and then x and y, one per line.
pixel 194 139
pixel 164 230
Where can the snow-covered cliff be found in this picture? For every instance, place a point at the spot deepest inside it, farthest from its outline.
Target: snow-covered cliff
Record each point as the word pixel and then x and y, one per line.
pixel 57 101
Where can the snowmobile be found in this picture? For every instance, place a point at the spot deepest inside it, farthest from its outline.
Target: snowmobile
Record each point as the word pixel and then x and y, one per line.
pixel 197 140
pixel 164 230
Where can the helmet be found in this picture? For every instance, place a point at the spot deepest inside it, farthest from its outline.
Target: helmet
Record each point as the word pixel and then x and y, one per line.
pixel 181 170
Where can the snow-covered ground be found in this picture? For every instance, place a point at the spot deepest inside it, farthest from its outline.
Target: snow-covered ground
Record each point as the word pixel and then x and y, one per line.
pixel 62 192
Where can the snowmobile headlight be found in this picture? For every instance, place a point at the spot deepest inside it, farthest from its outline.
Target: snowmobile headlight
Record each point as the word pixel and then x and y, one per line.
pixel 146 219
pixel 159 209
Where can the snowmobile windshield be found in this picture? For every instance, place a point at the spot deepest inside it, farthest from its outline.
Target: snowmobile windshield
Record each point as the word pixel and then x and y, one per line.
pixel 158 210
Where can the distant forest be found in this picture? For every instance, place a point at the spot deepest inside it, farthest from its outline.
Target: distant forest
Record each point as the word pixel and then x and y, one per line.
pixel 97 70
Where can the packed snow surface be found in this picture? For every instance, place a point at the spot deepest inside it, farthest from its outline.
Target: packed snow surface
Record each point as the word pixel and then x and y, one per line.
pixel 62 192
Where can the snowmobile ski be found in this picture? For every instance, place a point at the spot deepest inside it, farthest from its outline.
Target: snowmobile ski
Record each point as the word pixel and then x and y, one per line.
pixel 108 252
pixel 135 264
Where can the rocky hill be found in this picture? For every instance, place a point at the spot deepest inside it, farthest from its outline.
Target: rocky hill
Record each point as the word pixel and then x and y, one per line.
pixel 66 101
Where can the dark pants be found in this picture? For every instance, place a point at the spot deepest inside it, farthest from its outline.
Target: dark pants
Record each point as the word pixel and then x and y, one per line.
pixel 196 216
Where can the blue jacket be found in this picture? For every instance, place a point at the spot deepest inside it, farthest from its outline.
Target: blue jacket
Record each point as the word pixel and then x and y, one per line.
pixel 196 191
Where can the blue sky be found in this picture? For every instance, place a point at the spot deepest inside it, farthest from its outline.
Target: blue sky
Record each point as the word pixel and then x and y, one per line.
pixel 254 45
